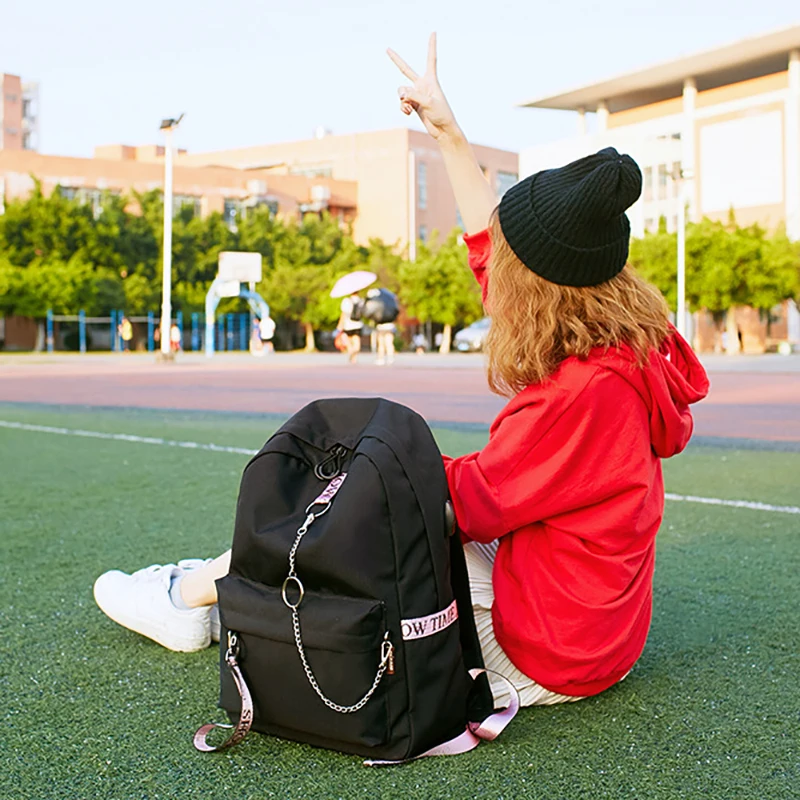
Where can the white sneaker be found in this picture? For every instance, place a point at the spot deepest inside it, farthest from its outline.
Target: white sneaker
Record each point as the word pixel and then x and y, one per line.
pixel 188 564
pixel 215 623
pixel 141 602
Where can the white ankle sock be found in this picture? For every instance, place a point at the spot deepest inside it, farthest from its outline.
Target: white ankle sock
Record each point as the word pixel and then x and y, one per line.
pixel 175 593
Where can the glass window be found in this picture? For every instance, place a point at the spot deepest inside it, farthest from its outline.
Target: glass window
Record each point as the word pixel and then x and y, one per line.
pixel 313 171
pixel 181 201
pixel 677 170
pixel 423 233
pixel 459 221
pixel 422 186
pixel 94 198
pixel 68 192
pixel 648 184
pixel 231 210
pixel 272 205
pixel 505 180
pixel 662 181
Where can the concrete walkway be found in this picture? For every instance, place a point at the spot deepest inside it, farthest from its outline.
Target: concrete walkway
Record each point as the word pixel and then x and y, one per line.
pixel 752 397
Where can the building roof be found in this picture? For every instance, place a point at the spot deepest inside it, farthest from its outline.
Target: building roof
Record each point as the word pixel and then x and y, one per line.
pixel 740 61
pixel 125 174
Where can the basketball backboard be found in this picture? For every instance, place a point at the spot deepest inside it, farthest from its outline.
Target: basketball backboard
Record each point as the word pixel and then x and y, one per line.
pixel 238 266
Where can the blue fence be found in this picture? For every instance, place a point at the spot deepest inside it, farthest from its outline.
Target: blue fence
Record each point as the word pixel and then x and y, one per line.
pixel 232 331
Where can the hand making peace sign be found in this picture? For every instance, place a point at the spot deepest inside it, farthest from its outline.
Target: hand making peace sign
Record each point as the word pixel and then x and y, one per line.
pixel 475 197
pixel 425 96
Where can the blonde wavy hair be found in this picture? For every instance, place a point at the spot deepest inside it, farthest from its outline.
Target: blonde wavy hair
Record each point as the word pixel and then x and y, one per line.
pixel 536 324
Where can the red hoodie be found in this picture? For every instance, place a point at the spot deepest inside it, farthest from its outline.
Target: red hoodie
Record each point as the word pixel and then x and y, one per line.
pixel 571 480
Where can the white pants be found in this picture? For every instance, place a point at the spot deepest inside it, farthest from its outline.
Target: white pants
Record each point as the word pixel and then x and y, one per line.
pixel 385 344
pixel 480 561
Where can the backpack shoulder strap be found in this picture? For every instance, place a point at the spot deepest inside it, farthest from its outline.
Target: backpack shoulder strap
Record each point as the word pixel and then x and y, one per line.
pixel 480 703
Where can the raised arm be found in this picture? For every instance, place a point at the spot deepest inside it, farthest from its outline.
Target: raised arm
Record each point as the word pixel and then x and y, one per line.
pixel 475 198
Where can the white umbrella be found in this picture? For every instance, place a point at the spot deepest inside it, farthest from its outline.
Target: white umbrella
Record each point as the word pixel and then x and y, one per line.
pixel 353 282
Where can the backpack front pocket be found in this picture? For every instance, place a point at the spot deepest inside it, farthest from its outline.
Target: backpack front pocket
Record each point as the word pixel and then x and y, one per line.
pixel 343 642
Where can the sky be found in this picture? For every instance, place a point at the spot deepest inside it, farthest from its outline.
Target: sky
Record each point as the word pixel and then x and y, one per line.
pixel 247 72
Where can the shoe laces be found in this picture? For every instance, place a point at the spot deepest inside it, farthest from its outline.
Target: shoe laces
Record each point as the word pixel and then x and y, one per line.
pixel 147 574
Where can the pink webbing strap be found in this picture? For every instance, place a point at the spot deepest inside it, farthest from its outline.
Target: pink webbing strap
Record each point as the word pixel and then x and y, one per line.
pixel 242 727
pixel 468 740
pixel 496 723
pixel 475 733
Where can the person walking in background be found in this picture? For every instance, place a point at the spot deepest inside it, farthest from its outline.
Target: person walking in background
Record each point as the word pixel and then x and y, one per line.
pixel 256 345
pixel 384 343
pixel 351 325
pixel 125 329
pixel 175 338
pixel 266 330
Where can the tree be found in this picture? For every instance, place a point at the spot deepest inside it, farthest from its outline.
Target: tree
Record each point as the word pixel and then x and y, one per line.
pixel 122 241
pixel 386 263
pixel 140 294
pixel 307 259
pixel 439 286
pixel 63 287
pixel 256 231
pixel 51 228
pixel 10 277
pixel 726 266
pixel 655 258
pixel 723 263
pixel 780 279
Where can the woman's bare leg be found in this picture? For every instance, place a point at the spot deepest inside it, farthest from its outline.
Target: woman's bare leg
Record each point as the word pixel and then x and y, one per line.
pixel 198 588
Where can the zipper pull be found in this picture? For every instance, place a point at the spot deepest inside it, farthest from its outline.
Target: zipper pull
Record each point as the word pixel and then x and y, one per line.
pixel 387 654
pixel 331 466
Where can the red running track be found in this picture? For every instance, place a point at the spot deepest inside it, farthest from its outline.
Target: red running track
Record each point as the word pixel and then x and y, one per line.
pixel 758 404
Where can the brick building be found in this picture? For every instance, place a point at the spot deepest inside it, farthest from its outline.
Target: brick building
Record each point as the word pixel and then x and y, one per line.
pixel 19 110
pixel 403 191
pixel 207 189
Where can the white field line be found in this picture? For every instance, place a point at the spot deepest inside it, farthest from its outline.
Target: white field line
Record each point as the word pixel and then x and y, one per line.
pixel 216 448
pixel 715 501
pixel 126 437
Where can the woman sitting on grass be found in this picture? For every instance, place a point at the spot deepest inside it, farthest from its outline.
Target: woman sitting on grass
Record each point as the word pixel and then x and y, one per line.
pixel 560 510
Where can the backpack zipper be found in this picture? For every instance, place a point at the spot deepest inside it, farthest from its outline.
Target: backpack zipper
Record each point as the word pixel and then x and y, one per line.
pixel 331 466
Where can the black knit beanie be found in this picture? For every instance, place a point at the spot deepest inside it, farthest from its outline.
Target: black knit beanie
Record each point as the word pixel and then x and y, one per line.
pixel 568 225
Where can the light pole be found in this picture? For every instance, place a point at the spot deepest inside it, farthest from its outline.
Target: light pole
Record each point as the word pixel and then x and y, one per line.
pixel 167 125
pixel 681 177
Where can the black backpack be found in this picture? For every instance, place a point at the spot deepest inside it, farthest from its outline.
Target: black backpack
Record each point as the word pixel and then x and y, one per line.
pixel 346 615
pixel 381 306
pixel 357 312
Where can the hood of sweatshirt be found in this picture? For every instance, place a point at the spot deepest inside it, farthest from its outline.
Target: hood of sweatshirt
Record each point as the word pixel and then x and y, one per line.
pixel 669 383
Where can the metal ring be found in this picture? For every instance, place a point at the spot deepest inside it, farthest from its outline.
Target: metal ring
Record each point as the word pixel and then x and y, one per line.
pixel 300 588
pixel 325 508
pixel 325 476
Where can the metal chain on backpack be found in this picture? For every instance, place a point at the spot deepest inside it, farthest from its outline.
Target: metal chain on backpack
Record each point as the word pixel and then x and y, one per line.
pixel 387 649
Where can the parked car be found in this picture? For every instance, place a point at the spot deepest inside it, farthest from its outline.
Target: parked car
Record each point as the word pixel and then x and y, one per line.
pixel 472 338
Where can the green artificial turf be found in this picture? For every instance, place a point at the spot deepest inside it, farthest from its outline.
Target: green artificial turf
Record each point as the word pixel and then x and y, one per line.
pixel 90 710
